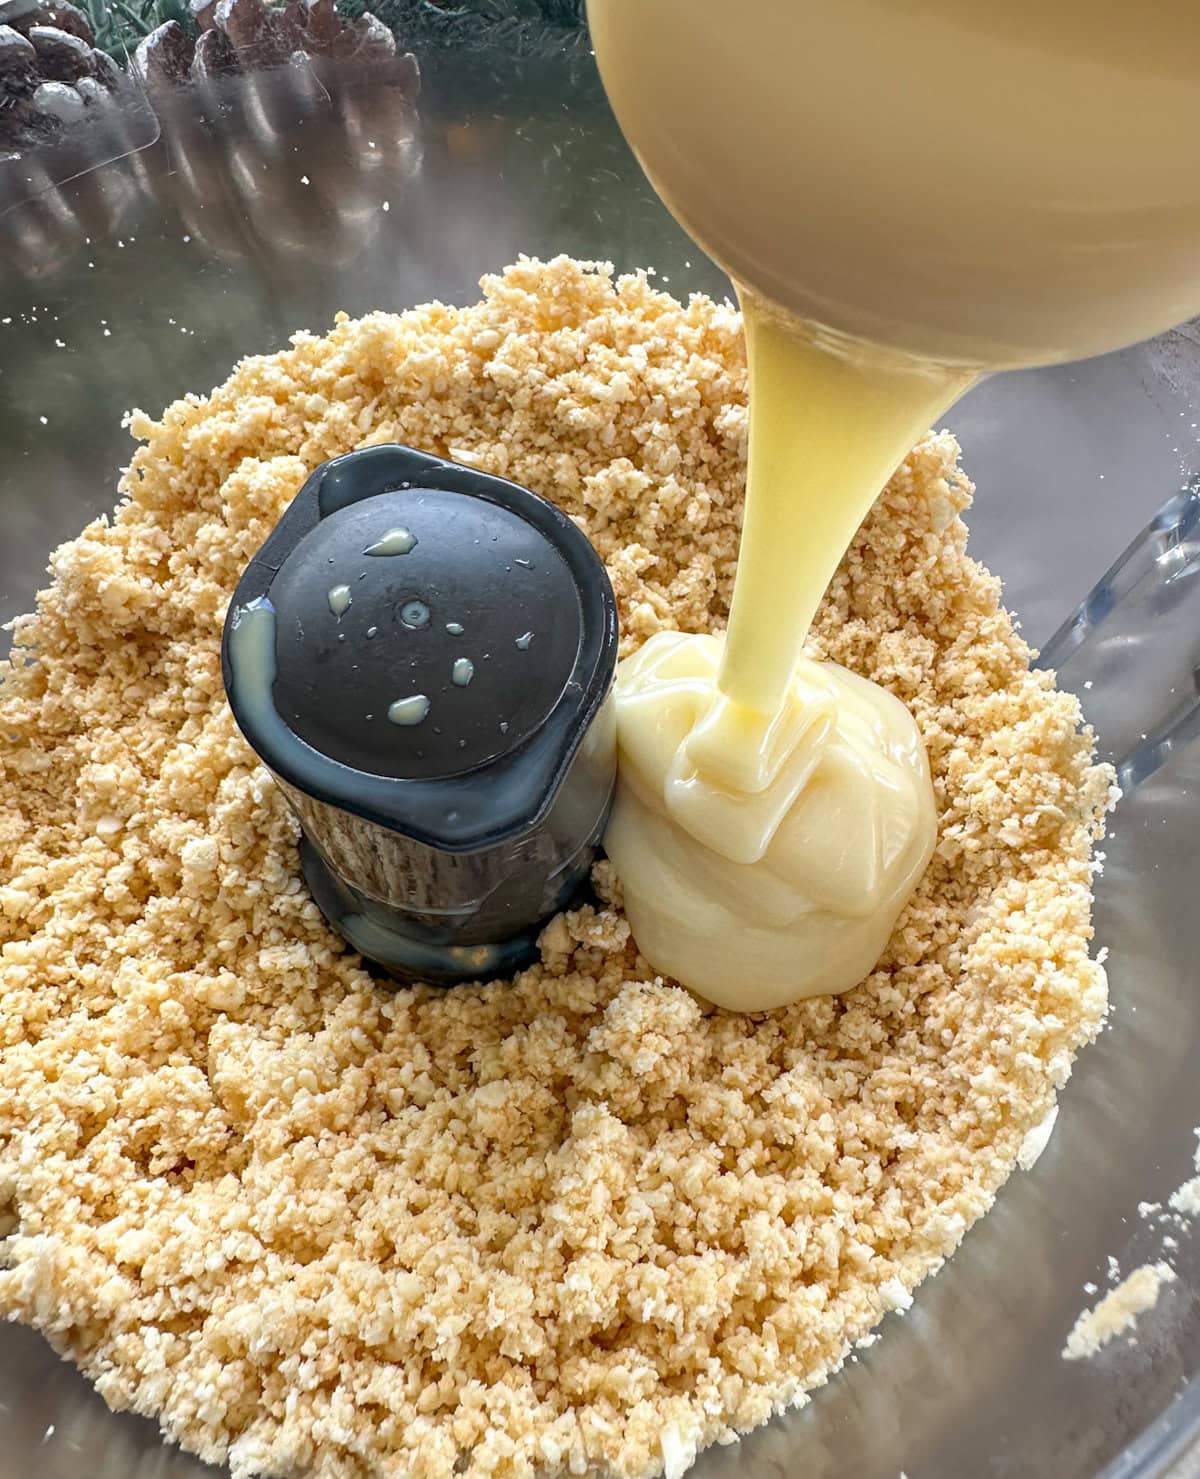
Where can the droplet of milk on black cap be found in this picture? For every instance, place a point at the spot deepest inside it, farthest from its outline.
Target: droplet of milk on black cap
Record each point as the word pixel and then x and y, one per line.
pixel 455 628
pixel 524 641
pixel 414 614
pixel 394 542
pixel 462 672
pixel 407 711
pixel 339 600
pixel 371 631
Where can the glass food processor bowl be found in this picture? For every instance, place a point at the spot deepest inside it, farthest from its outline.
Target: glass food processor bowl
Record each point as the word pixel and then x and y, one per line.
pixel 141 256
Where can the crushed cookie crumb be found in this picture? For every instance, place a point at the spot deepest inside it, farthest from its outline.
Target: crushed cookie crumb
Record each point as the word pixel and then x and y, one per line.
pixel 318 1226
pixel 1117 1313
pixel 1186 1198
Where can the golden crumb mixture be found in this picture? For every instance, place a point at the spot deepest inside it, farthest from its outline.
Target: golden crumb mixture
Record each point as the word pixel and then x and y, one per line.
pixel 319 1226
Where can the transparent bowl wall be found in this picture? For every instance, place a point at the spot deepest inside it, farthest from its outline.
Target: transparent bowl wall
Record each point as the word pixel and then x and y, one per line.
pixel 173 248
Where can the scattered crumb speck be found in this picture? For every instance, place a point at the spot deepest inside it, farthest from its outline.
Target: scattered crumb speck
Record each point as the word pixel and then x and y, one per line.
pixel 1186 1198
pixel 1118 1311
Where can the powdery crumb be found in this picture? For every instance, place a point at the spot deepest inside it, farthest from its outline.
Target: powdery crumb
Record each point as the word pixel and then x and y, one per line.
pixel 320 1227
pixel 1186 1198
pixel 677 1453
pixel 895 1296
pixel 1118 1311
pixel 1036 1140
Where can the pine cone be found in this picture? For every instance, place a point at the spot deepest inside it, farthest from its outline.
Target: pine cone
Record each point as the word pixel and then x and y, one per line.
pixel 285 132
pixel 51 74
pixel 246 35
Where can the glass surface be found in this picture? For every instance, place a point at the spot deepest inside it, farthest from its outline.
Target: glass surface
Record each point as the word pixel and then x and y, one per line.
pixel 141 261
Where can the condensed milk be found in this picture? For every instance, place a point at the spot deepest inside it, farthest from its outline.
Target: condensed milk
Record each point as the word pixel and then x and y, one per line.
pixel 908 194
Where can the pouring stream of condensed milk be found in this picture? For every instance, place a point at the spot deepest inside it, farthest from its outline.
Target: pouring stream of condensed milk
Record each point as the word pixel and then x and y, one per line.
pixel 908 194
